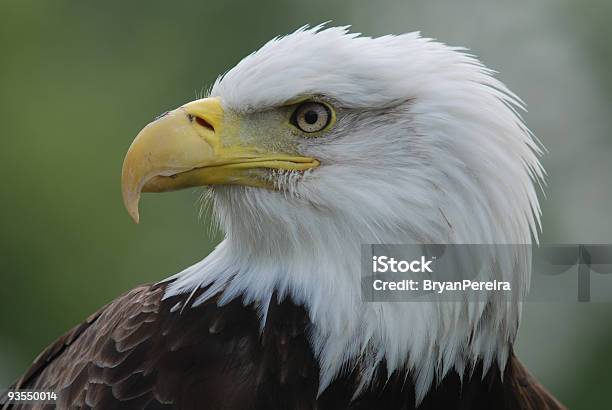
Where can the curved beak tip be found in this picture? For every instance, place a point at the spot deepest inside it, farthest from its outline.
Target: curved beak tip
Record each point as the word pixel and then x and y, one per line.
pixel 135 216
pixel 130 200
pixel 130 191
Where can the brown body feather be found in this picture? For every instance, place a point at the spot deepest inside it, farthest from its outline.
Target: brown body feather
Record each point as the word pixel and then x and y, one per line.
pixel 143 352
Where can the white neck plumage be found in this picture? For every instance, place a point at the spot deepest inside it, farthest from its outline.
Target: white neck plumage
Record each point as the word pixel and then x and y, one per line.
pixel 315 260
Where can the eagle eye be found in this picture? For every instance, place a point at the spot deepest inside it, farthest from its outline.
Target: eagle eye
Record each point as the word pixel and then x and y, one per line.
pixel 311 117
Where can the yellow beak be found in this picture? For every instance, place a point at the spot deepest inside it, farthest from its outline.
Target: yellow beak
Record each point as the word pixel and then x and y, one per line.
pixel 193 146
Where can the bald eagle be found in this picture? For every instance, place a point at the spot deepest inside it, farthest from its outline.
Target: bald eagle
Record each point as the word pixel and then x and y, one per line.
pixel 319 142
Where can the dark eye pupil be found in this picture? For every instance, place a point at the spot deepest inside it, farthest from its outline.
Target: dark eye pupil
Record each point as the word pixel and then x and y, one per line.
pixel 311 117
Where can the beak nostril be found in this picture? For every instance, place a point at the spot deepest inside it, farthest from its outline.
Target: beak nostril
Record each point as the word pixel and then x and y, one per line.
pixel 202 122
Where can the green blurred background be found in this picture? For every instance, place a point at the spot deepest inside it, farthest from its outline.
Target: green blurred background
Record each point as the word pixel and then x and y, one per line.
pixel 79 79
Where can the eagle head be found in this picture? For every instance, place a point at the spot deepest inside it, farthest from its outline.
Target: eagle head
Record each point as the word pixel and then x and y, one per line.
pixel 324 140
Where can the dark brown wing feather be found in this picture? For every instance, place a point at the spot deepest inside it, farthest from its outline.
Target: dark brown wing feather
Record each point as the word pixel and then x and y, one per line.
pixel 527 391
pixel 142 352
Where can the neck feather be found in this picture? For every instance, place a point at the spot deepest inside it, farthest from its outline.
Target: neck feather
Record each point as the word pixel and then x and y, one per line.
pixel 322 273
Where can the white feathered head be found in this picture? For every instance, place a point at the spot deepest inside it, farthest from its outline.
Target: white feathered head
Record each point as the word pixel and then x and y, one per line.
pixel 324 140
